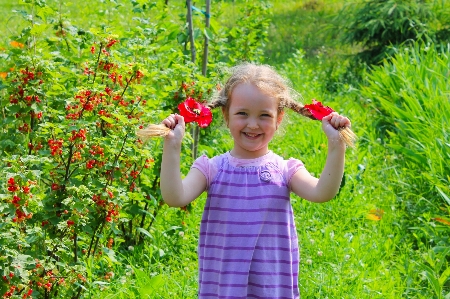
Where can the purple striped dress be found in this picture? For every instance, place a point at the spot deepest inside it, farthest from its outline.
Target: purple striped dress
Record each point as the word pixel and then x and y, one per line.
pixel 248 245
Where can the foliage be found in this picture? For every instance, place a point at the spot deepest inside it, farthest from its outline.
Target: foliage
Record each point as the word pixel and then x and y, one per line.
pixel 77 185
pixel 378 25
pixel 248 36
pixel 409 97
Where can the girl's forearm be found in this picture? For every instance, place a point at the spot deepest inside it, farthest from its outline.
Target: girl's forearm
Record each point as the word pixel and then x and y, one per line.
pixel 331 177
pixel 170 178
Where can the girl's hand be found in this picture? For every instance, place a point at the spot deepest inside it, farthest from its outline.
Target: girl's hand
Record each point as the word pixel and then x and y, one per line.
pixel 176 123
pixel 331 123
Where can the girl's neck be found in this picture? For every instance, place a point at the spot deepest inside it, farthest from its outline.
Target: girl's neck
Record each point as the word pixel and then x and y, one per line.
pixel 249 155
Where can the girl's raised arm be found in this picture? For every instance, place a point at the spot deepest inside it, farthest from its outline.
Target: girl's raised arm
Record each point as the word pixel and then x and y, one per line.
pixel 178 192
pixel 326 187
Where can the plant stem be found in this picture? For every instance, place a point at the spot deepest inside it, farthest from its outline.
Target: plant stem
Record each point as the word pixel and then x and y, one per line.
pixel 92 240
pixel 75 248
pixel 96 64
pixel 98 238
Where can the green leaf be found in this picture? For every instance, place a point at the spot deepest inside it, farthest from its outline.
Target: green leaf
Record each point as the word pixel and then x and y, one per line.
pixel 110 254
pixel 208 33
pixel 430 276
pixel 144 231
pixel 107 119
pixel 444 276
pixel 444 196
pixel 37 29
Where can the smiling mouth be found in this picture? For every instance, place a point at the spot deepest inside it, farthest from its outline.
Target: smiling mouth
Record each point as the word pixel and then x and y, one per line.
pixel 251 135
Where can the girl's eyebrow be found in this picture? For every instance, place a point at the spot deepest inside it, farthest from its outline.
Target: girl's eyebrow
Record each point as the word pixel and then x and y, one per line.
pixel 247 109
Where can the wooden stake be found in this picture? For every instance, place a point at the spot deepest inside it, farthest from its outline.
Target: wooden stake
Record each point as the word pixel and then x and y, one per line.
pixel 191 29
pixel 206 43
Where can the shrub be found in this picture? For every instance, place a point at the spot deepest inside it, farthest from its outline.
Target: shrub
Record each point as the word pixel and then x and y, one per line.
pixel 378 25
pixel 410 96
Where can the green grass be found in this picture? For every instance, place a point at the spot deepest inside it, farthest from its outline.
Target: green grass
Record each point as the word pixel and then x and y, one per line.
pixel 306 24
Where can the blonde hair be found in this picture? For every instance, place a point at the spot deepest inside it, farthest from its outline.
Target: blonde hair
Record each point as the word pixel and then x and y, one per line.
pixel 266 79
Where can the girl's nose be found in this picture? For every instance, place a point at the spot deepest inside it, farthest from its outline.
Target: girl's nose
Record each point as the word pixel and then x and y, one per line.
pixel 252 124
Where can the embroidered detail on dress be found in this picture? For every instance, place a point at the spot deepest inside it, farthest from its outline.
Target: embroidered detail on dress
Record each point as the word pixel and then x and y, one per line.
pixel 265 176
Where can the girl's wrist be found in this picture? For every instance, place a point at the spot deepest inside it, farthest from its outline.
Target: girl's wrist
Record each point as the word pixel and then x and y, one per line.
pixel 336 143
pixel 172 146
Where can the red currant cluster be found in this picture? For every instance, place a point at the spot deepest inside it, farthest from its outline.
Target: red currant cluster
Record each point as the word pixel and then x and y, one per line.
pixel 90 164
pixel 148 162
pixel 24 128
pixel 116 78
pixel 81 134
pixel 55 146
pixel 21 216
pixel 98 201
pixel 110 243
pixel 25 78
pixel 97 150
pixel 35 147
pixel 12 185
pixel 12 289
pixel 21 193
pixel 107 66
pixel 111 42
pixel 134 174
pixel 113 211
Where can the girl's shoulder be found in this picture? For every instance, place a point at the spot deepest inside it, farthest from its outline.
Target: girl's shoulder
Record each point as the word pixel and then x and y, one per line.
pixel 208 166
pixel 288 167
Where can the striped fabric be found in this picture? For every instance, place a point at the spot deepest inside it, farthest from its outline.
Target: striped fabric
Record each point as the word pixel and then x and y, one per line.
pixel 248 244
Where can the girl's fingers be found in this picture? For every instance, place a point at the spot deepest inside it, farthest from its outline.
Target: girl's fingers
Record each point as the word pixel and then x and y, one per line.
pixel 170 121
pixel 180 120
pixel 336 120
pixel 173 120
pixel 345 122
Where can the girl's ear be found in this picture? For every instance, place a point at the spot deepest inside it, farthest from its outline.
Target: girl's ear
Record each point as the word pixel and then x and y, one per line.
pixel 225 116
pixel 280 118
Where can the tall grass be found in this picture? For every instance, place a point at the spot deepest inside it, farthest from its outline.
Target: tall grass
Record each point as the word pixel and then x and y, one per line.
pixel 410 99
pixel 411 93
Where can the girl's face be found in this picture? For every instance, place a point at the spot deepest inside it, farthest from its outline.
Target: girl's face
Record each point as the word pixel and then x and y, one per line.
pixel 253 120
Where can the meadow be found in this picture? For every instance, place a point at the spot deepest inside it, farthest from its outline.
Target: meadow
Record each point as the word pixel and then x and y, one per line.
pixel 386 233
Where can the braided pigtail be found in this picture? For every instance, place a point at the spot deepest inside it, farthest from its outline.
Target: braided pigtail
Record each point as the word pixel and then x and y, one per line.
pixel 298 108
pixel 218 102
pixel 161 130
pixel 158 130
pixel 345 133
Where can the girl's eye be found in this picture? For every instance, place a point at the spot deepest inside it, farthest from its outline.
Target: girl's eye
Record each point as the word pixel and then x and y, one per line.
pixel 266 115
pixel 241 113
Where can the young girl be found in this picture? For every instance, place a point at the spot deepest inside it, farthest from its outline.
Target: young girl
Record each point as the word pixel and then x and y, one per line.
pixel 248 245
